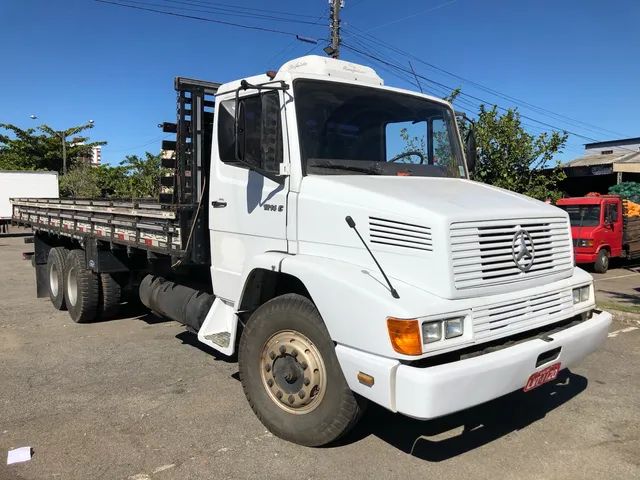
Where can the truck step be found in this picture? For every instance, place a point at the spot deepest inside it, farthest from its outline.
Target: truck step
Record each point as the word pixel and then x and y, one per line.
pixel 221 338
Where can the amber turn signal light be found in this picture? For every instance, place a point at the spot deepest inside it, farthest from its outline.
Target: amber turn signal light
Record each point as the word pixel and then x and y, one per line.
pixel 405 336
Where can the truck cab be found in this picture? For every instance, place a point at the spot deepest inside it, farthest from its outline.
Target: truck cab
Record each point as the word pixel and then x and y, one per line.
pixel 357 196
pixel 596 228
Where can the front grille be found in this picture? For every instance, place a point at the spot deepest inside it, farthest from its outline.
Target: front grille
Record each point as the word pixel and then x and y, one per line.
pixel 399 234
pixel 499 318
pixel 482 252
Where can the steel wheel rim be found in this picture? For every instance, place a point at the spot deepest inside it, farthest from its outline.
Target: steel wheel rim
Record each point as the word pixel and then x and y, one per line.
pixel 293 372
pixel 53 280
pixel 72 285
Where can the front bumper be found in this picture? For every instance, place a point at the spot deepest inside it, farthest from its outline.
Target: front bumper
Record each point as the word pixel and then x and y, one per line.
pixel 435 391
pixel 586 257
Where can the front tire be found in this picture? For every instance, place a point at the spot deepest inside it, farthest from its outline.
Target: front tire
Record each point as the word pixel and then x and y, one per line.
pixel 291 376
pixel 602 262
pixel 81 292
pixel 55 273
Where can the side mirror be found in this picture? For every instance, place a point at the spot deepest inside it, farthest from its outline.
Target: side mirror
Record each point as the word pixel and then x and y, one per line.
pixel 271 136
pixel 471 152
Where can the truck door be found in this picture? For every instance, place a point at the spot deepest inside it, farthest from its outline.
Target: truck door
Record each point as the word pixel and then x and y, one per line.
pixel 612 223
pixel 247 208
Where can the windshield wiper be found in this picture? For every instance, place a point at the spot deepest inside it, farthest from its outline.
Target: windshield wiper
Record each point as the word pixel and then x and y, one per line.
pixel 351 168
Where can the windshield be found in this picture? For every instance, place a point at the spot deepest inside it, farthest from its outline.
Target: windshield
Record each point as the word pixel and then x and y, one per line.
pixel 583 215
pixel 349 129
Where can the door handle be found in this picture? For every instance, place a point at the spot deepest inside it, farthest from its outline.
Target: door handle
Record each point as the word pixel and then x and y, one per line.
pixel 218 204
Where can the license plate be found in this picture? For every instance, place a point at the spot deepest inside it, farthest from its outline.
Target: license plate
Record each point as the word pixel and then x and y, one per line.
pixel 543 376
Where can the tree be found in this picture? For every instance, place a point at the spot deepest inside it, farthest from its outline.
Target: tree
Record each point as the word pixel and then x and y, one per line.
pixel 42 148
pixel 135 177
pixel 142 176
pixel 81 181
pixel 509 157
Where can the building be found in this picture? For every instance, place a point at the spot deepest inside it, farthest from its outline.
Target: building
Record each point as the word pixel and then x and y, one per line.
pixel 603 165
pixel 94 159
pixel 96 156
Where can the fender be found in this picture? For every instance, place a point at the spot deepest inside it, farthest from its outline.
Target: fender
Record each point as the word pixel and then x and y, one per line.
pixel 354 301
pixel 220 327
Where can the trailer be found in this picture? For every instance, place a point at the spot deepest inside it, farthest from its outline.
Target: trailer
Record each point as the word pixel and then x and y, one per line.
pixel 24 184
pixel 296 231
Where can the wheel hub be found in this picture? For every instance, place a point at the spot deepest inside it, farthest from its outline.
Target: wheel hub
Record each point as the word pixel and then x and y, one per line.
pixel 293 372
pixel 53 280
pixel 72 285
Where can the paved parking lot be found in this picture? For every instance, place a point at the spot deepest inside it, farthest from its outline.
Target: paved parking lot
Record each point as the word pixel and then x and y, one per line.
pixel 620 286
pixel 139 398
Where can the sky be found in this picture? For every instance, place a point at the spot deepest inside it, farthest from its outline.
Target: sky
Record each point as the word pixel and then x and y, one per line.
pixel 70 61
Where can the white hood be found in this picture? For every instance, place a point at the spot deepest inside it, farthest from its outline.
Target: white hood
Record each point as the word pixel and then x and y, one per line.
pixel 428 210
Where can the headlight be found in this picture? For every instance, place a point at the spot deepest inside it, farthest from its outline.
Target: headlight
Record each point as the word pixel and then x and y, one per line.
pixel 581 294
pixel 454 327
pixel 584 242
pixel 439 329
pixel 431 331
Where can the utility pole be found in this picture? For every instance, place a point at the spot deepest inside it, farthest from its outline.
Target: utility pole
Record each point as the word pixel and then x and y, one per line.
pixel 334 17
pixel 63 134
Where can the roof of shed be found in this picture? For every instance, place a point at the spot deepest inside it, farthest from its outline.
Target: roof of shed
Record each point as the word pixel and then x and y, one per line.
pixel 604 159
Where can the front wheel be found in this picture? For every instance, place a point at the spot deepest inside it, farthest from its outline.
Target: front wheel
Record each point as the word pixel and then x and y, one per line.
pixel 602 262
pixel 291 376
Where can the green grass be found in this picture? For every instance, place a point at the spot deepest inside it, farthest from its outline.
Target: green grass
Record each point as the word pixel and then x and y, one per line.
pixel 621 307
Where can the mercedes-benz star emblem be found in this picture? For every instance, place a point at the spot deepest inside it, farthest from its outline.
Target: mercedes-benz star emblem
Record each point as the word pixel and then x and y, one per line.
pixel 522 250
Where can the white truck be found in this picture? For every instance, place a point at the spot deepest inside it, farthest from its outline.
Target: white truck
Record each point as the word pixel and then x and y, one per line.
pixel 323 227
pixel 24 184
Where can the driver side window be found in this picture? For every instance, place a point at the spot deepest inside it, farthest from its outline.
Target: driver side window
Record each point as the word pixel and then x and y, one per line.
pixel 611 213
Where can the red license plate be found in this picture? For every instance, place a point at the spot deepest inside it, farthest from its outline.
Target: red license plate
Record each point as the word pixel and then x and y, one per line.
pixel 543 376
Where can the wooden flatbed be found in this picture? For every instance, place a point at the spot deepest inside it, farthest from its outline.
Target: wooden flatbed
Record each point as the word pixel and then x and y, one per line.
pixel 145 225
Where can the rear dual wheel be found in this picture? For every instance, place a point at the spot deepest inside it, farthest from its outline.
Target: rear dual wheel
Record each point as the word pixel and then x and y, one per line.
pixel 85 294
pixel 55 274
pixel 82 289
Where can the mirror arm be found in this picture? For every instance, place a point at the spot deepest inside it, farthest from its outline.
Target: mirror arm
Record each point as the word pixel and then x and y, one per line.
pixel 465 117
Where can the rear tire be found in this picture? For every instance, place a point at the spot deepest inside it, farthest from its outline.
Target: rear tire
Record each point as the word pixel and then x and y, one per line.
pixel 602 262
pixel 55 273
pixel 111 292
pixel 81 290
pixel 291 376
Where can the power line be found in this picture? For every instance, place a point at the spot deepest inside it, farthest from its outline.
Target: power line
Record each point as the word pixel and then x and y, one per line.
pixel 538 109
pixel 217 10
pixel 132 147
pixel 553 127
pixel 412 15
pixel 203 19
pixel 230 7
pixel 293 42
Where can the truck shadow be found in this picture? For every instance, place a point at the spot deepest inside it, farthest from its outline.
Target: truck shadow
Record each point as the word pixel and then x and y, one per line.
pixel 135 310
pixel 191 339
pixel 447 437
pixel 624 298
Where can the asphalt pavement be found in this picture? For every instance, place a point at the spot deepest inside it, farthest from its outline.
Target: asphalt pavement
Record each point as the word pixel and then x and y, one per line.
pixel 139 398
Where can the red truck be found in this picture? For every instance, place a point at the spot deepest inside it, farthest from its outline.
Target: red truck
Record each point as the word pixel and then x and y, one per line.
pixel 602 228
